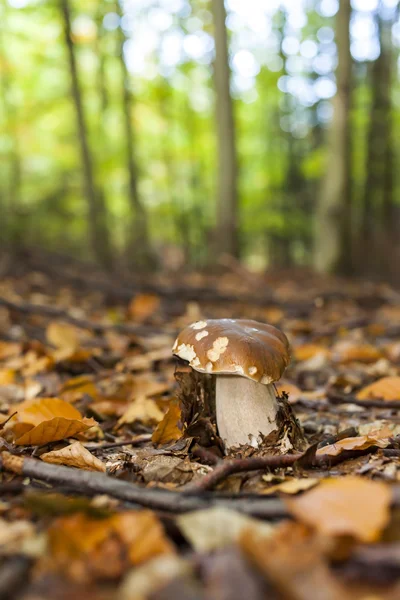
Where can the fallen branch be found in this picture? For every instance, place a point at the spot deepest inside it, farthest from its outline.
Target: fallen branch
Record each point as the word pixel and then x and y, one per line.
pixel 91 483
pixel 52 312
pixel 336 398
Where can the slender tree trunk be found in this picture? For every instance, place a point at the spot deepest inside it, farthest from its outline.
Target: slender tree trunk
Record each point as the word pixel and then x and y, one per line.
pixel 227 211
pixel 333 235
pixel 139 243
pixel 97 225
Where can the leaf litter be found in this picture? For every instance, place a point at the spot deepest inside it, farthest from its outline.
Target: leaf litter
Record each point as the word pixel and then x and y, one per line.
pixel 100 399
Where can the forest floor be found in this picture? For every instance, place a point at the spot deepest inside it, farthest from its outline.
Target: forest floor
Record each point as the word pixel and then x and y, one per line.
pixel 105 494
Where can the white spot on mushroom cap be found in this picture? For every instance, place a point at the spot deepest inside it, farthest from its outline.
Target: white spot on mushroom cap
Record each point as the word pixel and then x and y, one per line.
pixel 238 369
pixel 174 347
pixel 209 367
pixel 186 352
pixel 252 370
pixel 199 325
pixel 218 348
pixel 195 362
pixel 199 336
pixel 265 379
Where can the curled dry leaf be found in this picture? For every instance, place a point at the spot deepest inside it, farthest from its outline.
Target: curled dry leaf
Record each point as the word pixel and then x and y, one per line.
pixel 387 388
pixel 308 351
pixel 346 352
pixel 350 506
pixel 75 455
pixel 169 429
pixel 43 420
pixel 361 442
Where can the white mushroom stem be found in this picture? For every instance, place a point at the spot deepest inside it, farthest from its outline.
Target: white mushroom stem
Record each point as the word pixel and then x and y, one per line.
pixel 245 409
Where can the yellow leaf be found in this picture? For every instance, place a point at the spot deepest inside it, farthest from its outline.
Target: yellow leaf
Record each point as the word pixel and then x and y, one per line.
pixel 75 455
pixel 361 442
pixel 168 429
pixel 142 409
pixel 43 420
pixel 143 534
pixel 292 486
pixel 387 388
pixel 7 376
pixel 63 336
pixel 350 506
pixel 9 349
pixel 143 306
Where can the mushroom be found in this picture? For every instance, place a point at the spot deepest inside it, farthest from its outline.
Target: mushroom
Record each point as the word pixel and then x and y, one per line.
pixel 246 357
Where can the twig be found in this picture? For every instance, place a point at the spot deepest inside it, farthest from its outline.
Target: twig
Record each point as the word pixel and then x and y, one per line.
pixel 138 439
pixel 336 398
pixel 90 483
pixel 57 313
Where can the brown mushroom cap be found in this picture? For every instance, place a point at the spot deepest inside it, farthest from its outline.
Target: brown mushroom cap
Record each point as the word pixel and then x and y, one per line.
pixel 234 346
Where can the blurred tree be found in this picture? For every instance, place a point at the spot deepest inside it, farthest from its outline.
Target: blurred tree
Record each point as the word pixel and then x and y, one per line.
pixel 139 249
pixel 227 205
pixel 378 206
pixel 97 216
pixel 333 224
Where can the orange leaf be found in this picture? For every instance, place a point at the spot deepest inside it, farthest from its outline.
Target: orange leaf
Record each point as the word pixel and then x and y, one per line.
pixel 348 506
pixel 7 376
pixel 387 388
pixel 143 534
pixel 168 429
pixel 63 336
pixel 49 420
pixel 143 306
pixel 347 352
pixel 74 455
pixel 361 442
pixel 292 390
pixel 307 351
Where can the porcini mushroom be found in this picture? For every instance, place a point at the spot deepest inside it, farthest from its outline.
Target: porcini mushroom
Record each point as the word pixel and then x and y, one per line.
pixel 246 357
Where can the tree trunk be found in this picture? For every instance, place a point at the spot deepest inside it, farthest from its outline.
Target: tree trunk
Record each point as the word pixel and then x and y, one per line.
pixel 333 234
pixel 139 243
pixel 227 207
pixel 97 225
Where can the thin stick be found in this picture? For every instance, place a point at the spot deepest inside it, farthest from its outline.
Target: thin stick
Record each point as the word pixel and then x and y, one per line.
pixel 336 398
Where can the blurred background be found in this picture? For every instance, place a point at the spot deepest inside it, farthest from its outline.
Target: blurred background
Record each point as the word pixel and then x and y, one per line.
pixel 173 134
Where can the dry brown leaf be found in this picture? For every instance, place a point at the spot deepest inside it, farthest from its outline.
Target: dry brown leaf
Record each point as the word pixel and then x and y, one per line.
pixel 75 455
pixel 350 506
pixel 169 429
pixel 80 545
pixel 143 306
pixel 347 352
pixel 361 442
pixel 43 420
pixel 7 376
pixel 307 351
pixel 292 486
pixel 63 336
pixel 9 349
pixel 387 388
pixel 293 560
pixel 292 390
pixel 142 409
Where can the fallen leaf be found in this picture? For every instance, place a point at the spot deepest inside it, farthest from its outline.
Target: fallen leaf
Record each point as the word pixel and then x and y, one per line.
pixel 168 429
pixel 145 579
pixel 75 388
pixel 292 390
pixel 85 548
pixel 7 376
pixel 217 527
pixel 142 409
pixel 350 506
pixel 143 306
pixel 387 388
pixel 43 420
pixel 347 352
pixel 293 560
pixel 9 349
pixel 307 351
pixel 75 455
pixel 292 486
pixel 361 442
pixel 63 336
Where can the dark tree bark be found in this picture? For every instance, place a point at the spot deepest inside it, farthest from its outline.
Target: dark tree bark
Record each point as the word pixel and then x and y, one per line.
pixel 139 248
pixel 227 206
pixel 333 234
pixel 97 217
